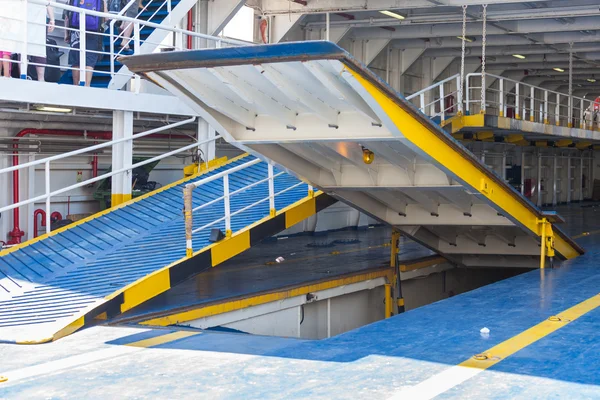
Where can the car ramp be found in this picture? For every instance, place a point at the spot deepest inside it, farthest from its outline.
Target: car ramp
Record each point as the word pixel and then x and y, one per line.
pixel 317 112
pixel 97 268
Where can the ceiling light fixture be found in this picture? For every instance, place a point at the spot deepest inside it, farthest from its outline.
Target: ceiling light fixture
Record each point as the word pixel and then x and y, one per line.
pixel 392 14
pixel 591 80
pixel 520 57
pixel 54 109
pixel 467 39
pixel 558 69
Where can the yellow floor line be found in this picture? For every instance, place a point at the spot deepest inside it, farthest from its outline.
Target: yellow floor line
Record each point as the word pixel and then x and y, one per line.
pixel 169 337
pixel 466 370
pixel 584 234
pixel 87 358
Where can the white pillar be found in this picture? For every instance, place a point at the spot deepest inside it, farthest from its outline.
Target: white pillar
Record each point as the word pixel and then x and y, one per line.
pixel 205 131
pixel 122 154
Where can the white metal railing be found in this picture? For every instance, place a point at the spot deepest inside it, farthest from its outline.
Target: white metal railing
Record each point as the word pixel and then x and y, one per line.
pixel 442 98
pixel 113 52
pixel 48 193
pixel 227 194
pixel 512 98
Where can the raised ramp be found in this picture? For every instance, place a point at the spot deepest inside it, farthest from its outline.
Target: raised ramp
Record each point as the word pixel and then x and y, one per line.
pixel 109 263
pixel 316 111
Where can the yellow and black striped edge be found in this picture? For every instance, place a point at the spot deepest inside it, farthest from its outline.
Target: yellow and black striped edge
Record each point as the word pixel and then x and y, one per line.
pixel 215 164
pixel 458 161
pixel 241 302
pixel 162 280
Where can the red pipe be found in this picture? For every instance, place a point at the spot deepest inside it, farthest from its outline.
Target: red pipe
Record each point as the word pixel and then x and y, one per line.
pixel 55 216
pixel 16 234
pixel 37 212
pixel 190 27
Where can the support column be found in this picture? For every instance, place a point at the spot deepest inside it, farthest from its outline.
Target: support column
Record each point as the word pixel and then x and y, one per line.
pixel 428 81
pixel 395 263
pixel 205 131
pixel 122 157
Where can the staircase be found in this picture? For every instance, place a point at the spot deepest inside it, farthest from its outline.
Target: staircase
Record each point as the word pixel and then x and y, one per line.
pixel 97 268
pixel 155 11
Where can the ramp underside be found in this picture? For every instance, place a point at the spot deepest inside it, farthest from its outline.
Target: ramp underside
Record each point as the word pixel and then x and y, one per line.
pixel 321 115
pixel 97 269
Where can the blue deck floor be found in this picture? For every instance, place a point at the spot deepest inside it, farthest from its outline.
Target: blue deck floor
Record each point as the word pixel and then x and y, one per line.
pixel 376 361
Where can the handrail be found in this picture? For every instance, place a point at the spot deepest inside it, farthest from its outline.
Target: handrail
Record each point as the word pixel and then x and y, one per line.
pixel 112 29
pixel 441 97
pixel 538 108
pixel 412 96
pixel 46 161
pixel 96 146
pixel 24 61
pixel 227 194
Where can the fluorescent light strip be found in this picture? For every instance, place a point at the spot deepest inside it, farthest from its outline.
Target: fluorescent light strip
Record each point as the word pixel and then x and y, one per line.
pixel 558 69
pixel 467 39
pixel 519 56
pixel 392 14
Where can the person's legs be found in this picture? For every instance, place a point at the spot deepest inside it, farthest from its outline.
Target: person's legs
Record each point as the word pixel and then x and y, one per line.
pixel 88 76
pixel 6 64
pixel 39 67
pixel 126 35
pixel 41 71
pixel 75 75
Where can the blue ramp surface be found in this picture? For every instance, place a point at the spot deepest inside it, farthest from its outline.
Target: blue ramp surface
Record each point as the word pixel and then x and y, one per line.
pixel 52 283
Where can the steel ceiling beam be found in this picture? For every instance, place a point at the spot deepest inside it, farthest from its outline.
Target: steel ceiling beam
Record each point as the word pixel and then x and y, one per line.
pixel 275 7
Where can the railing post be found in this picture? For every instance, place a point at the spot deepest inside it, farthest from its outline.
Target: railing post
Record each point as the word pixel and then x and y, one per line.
pixel 501 106
pixel 467 95
pixel 169 10
pixel 311 191
pixel 422 102
pixel 546 121
pixel 47 182
pixel 136 50
pixel 442 102
pixel 580 113
pixel 111 30
pixel 25 41
pixel 227 205
pixel 187 213
pixel 517 103
pixel 272 210
pixel 557 109
pixel 82 48
pixel 532 105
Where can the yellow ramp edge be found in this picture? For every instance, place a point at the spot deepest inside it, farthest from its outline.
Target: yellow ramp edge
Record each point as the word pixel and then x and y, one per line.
pixel 159 282
pixel 445 151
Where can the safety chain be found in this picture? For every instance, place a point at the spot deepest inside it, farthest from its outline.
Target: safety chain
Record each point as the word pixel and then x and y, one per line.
pixel 462 60
pixel 570 113
pixel 483 42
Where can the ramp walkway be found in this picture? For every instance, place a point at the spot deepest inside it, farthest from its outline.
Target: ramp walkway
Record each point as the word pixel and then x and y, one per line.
pixel 316 111
pixel 113 261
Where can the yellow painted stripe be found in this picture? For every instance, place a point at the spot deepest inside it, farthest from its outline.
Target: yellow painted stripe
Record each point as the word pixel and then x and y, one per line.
pixel 230 247
pixel 300 212
pixel 170 337
pixel 422 264
pixel 533 334
pixel 147 288
pixel 466 370
pixel 584 234
pixel 452 158
pixel 564 248
pixel 240 304
pixel 109 210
